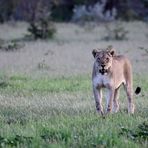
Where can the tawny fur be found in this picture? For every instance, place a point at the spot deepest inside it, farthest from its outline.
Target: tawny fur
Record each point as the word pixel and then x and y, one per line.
pixel 119 71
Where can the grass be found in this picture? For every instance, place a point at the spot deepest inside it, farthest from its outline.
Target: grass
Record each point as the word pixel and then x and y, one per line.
pixel 70 52
pixel 46 96
pixel 52 85
pixel 60 112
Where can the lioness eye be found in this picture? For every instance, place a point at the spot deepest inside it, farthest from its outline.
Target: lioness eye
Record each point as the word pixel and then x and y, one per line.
pixel 107 59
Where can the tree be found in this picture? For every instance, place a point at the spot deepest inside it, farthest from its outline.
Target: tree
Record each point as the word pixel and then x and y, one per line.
pixel 7 7
pixel 40 25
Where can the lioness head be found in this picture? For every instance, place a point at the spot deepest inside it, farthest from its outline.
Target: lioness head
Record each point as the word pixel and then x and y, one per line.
pixel 103 58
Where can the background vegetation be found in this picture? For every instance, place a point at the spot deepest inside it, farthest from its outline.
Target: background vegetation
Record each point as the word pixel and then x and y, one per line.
pixel 63 10
pixel 46 97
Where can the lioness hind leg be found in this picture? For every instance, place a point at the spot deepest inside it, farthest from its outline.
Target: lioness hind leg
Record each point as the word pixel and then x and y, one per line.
pixel 129 92
pixel 116 101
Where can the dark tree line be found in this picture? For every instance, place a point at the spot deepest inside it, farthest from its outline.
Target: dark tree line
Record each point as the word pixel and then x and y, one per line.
pixel 62 10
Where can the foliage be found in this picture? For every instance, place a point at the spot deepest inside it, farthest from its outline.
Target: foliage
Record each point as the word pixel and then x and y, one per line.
pixel 61 13
pixel 15 141
pixel 63 10
pixel 140 134
pixel 42 65
pixel 56 134
pixel 41 29
pixel 117 32
pixel 7 8
pixel 145 2
pixel 40 24
pixel 144 49
pixel 3 81
pixel 128 15
pixel 91 13
pixel 10 45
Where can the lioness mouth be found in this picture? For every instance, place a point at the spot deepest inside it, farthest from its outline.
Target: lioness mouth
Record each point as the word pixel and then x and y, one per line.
pixel 103 71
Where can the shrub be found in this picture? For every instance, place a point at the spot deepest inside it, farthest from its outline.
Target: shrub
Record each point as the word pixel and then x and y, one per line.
pixel 10 45
pixel 41 29
pixel 118 32
pixel 40 24
pixel 139 134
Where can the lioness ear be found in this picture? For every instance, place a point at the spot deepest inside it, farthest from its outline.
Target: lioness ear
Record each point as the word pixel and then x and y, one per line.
pixel 111 50
pixel 94 52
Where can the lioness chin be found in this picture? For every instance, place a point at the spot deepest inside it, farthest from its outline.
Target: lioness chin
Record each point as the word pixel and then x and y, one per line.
pixel 111 71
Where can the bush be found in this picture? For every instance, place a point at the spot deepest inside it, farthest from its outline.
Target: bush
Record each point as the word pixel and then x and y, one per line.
pixel 40 24
pixel 41 30
pixel 139 134
pixel 10 45
pixel 117 32
pixel 129 15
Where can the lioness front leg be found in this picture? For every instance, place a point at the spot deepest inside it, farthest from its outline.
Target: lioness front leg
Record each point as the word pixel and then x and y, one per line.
pixel 109 100
pixel 98 99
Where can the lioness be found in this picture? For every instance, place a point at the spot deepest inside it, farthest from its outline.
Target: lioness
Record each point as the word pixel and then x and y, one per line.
pixel 111 71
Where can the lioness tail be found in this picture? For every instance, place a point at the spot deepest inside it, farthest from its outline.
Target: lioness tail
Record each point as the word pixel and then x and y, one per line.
pixel 138 90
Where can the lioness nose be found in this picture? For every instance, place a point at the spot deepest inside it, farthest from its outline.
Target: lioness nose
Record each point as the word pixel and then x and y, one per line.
pixel 102 65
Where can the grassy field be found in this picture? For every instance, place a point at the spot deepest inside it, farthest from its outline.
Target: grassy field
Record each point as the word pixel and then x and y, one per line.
pixel 46 97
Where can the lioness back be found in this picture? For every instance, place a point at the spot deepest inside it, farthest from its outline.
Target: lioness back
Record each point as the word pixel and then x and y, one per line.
pixel 122 71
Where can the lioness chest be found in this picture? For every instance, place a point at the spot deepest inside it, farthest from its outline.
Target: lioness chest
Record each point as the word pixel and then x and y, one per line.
pixel 102 80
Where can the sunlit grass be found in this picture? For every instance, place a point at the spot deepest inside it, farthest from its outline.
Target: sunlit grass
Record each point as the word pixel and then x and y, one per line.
pixel 46 84
pixel 60 112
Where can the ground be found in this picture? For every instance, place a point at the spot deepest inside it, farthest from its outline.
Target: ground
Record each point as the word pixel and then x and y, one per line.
pixel 46 97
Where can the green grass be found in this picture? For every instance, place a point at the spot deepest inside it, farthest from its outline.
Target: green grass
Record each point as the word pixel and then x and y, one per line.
pixel 60 113
pixel 51 85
